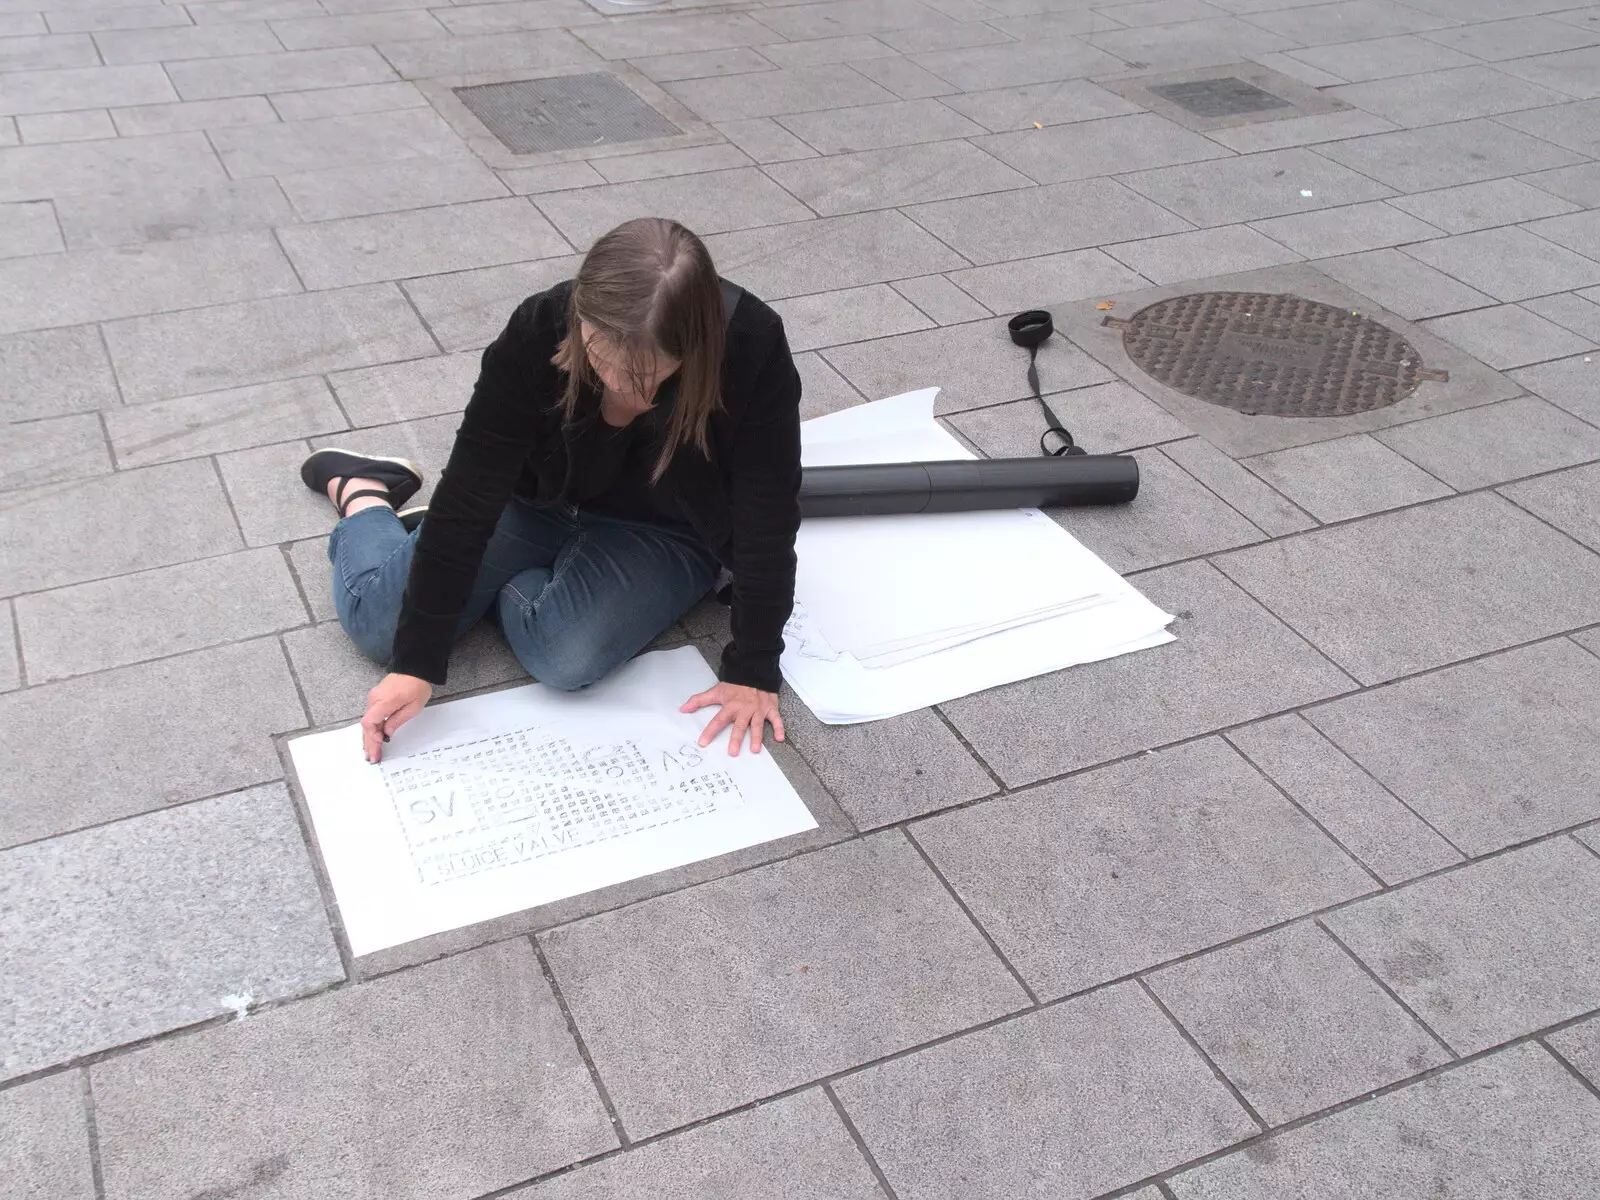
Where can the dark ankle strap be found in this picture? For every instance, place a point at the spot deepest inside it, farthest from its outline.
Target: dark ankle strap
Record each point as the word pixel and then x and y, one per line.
pixel 344 501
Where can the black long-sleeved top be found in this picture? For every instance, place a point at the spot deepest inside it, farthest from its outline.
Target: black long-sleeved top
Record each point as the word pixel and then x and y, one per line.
pixel 743 501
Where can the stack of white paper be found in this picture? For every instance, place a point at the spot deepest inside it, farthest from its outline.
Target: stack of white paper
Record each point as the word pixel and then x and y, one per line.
pixel 897 613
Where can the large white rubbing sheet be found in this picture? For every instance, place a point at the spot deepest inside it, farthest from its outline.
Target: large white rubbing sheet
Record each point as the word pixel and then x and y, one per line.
pixel 496 803
pixel 897 613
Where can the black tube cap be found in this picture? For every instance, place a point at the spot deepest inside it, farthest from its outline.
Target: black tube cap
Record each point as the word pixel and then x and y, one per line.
pixel 1032 328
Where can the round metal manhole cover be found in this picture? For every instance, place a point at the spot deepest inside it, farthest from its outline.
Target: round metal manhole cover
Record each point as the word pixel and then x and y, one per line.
pixel 1275 355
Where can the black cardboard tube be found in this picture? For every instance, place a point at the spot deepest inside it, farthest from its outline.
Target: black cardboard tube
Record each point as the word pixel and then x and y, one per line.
pixel 963 485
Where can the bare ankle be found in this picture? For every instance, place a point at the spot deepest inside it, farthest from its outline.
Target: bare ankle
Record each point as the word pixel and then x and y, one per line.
pixel 349 487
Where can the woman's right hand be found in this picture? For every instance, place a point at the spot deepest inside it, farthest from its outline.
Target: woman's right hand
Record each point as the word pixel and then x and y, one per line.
pixel 395 700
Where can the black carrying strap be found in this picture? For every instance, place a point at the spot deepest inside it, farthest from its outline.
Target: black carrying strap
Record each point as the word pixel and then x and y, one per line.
pixel 1031 330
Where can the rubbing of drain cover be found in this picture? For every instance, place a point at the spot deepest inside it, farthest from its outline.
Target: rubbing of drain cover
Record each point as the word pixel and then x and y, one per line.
pixel 1228 96
pixel 564 112
pixel 1273 355
pixel 1213 98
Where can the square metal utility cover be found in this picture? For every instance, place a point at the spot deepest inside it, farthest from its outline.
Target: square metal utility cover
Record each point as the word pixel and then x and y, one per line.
pixel 564 112
pixel 1222 97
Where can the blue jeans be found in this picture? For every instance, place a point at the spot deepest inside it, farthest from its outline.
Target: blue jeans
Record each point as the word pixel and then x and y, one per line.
pixel 576 594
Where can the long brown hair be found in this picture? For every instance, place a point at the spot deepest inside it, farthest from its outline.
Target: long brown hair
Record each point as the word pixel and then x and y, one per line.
pixel 649 286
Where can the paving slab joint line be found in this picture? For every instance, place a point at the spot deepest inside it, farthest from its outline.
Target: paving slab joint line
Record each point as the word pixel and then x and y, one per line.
pixel 583 1049
pixel 319 868
pixel 16 643
pixel 1210 1062
pixel 1561 1058
pixel 92 1128
pixel 1302 810
pixel 300 590
pixel 1033 998
pixel 412 303
pixel 1586 845
pixel 233 511
pixel 299 688
pixel 1389 991
pixel 1165 1189
pixel 1000 786
pixel 861 1143
pixel 1536 516
pixel 1321 653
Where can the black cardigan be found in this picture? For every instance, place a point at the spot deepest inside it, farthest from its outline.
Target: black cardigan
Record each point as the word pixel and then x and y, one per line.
pixel 743 502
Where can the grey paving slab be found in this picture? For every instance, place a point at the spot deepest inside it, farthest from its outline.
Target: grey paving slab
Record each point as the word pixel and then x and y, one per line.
pixel 167 212
pixel 1440 156
pixel 816 51
pixel 973 365
pixel 942 300
pixel 777 976
pixel 466 310
pixel 299 70
pixel 1388 838
pixel 75 88
pixel 715 202
pixel 55 450
pixel 356 29
pixel 95 19
pixel 347 101
pixel 876 126
pixel 888 771
pixel 1347 22
pixel 1579 231
pixel 355 191
pixel 45 1155
pixel 1569 500
pixel 1233 662
pixel 1106 874
pixel 1520 37
pixel 764 140
pixel 8 132
pixel 1190 43
pixel 814 256
pixel 225 12
pixel 1020 1114
pixel 507 1096
pixel 1508 336
pixel 851 315
pixel 1267 509
pixel 555 177
pixel 1174 517
pixel 1487 768
pixel 894 176
pixel 1359 60
pixel 29 229
pixel 56 535
pixel 1508 263
pixel 1580 1046
pixel 822 389
pixel 154 614
pixel 1347 477
pixel 1569 384
pixel 1051 103
pixel 175 354
pixel 1570 125
pixel 269 507
pixel 308 561
pixel 210 734
pixel 10 665
pixel 135 928
pixel 1105 418
pixel 1202 253
pixel 126 281
pixel 937 32
pixel 53 372
pixel 1404 285
pixel 45 172
pixel 662 163
pixel 1300 131
pixel 1353 229
pixel 344 141
pixel 66 126
pixel 795 1148
pixel 356 250
pixel 1043 220
pixel 1513 1124
pixel 1294 1023
pixel 1494 950
pixel 905 78
pixel 845 17
pixel 1570 311
pixel 676 33
pixel 1017 64
pixel 776 93
pixel 423 387
pixel 1570 71
pixel 519 14
pixel 666 68
pixel 1435 97
pixel 1254 186
pixel 1086 149
pixel 177 45
pixel 1495 442
pixel 1475 206
pixel 485 53
pixel 1404 591
pixel 183 117
pixel 1074 275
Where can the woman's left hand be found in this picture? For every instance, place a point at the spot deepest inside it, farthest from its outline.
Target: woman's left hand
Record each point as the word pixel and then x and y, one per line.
pixel 747 709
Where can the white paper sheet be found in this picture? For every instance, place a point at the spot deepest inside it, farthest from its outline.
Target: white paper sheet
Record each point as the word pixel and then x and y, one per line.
pixel 930 667
pixel 496 803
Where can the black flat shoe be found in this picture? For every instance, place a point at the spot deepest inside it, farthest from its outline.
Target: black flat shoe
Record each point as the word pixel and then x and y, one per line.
pixel 400 477
pixel 412 517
